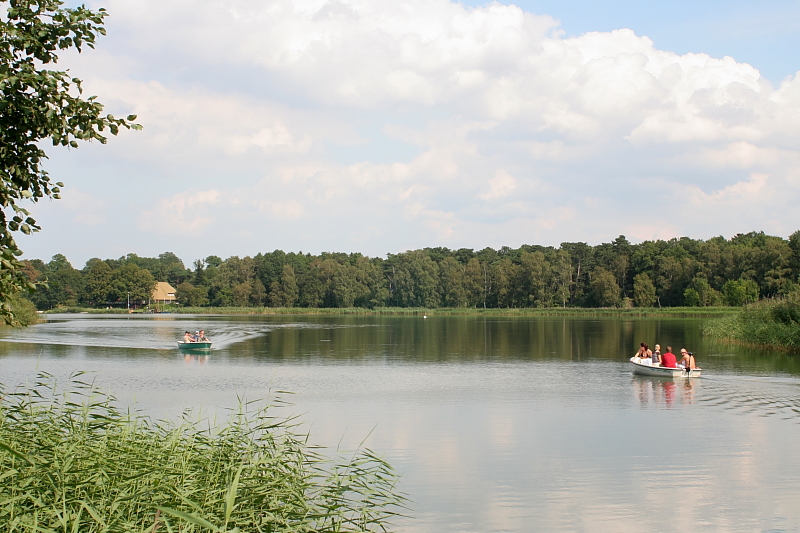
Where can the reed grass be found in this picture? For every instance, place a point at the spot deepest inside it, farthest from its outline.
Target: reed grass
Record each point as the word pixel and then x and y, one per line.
pixel 773 323
pixel 72 461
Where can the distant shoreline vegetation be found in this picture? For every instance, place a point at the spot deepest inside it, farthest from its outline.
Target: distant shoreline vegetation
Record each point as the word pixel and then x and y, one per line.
pixel 653 274
pixel 674 312
pixel 771 323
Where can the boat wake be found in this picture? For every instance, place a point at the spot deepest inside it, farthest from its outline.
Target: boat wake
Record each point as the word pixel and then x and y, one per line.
pixel 141 334
pixel 767 396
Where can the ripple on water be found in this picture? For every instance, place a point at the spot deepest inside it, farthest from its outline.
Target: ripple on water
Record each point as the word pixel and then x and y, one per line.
pixel 760 396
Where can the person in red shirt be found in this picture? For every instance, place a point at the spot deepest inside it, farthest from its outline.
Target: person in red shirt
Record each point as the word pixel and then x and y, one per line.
pixel 668 359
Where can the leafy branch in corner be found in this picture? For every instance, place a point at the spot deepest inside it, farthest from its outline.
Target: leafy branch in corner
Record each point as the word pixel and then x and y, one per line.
pixel 37 103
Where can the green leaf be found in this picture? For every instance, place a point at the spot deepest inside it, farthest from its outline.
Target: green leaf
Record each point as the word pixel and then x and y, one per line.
pixel 189 518
pixel 16 453
pixel 230 497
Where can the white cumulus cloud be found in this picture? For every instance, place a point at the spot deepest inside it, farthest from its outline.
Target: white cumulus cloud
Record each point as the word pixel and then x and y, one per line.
pixel 375 125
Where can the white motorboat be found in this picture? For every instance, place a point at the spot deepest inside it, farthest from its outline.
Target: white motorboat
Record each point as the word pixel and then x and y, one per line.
pixel 664 372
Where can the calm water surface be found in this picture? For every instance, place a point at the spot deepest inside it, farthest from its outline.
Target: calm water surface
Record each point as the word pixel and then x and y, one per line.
pixel 495 424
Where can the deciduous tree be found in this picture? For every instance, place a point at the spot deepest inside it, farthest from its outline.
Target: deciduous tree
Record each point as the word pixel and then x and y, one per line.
pixel 38 104
pixel 644 292
pixel 191 296
pixel 604 288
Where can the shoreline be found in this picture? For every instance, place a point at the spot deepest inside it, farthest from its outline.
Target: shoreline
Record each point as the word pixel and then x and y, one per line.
pixel 667 312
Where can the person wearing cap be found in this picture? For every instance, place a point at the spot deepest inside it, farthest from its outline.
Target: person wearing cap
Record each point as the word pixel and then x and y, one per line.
pixel 687 360
pixel 187 337
pixel 201 336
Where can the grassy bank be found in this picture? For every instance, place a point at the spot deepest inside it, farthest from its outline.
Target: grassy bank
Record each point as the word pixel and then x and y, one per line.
pixel 677 312
pixel 768 323
pixel 72 461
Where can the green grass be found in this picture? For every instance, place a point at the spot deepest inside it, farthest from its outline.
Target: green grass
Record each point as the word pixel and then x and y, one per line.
pixel 72 461
pixel 768 323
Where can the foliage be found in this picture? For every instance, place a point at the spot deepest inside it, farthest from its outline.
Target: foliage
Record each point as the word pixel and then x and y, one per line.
pixel 24 310
pixel 284 292
pixel 191 296
pixel 740 292
pixel 37 104
pixel 674 273
pixel 72 461
pixel 774 323
pixel 604 288
pixel 644 292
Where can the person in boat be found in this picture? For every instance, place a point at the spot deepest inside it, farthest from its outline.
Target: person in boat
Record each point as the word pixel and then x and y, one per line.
pixel 187 337
pixel 641 353
pixel 668 359
pixel 657 355
pixel 687 360
pixel 648 356
pixel 201 337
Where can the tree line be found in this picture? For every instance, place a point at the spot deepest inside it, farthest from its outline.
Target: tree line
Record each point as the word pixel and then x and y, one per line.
pixel 675 272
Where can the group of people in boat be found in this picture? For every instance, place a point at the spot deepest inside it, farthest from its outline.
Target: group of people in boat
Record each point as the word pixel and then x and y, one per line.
pixel 646 356
pixel 199 336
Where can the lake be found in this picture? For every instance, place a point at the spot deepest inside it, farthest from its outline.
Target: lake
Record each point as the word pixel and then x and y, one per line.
pixel 496 424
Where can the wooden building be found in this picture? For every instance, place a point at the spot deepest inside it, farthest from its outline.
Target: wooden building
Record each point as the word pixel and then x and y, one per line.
pixel 164 293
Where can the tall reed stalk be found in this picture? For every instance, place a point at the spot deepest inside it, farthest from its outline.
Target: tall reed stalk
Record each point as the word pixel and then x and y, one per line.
pixel 71 461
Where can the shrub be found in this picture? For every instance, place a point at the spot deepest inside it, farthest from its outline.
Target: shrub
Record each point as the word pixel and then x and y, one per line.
pixel 23 309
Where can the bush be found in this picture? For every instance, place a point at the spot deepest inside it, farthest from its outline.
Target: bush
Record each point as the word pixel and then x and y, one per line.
pixel 24 311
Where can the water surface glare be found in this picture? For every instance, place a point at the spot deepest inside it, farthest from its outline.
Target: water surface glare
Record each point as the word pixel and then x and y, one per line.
pixel 495 424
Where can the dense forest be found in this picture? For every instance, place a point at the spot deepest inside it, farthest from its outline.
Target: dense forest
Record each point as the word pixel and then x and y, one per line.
pixel 677 272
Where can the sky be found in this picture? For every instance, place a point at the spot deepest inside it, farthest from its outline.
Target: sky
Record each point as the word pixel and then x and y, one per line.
pixel 383 126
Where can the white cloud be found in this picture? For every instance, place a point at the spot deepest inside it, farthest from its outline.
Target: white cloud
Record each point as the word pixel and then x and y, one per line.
pixel 314 116
pixel 184 214
pixel 500 186
pixel 733 196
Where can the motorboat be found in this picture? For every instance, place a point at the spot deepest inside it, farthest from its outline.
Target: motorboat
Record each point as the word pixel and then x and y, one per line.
pixel 663 371
pixel 194 345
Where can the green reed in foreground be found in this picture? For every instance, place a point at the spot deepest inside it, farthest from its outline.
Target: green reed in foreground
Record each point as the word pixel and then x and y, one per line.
pixel 769 323
pixel 73 462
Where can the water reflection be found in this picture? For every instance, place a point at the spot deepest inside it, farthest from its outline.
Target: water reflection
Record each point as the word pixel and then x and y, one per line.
pixel 495 424
pixel 190 358
pixel 448 339
pixel 664 392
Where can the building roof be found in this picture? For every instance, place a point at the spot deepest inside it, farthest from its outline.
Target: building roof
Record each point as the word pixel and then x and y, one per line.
pixel 164 292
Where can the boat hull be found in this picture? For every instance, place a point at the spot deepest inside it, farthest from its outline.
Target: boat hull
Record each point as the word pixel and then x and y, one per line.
pixel 194 345
pixel 664 372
